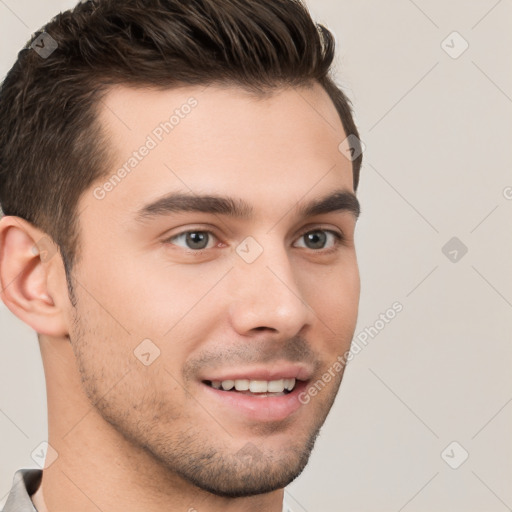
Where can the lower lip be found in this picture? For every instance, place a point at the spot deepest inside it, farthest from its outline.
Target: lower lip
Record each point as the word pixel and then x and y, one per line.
pixel 274 408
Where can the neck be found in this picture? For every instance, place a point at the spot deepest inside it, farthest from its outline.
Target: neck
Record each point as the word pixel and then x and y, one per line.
pixel 38 499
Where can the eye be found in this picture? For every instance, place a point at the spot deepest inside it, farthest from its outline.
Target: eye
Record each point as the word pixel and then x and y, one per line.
pixel 318 238
pixel 195 240
pixel 198 240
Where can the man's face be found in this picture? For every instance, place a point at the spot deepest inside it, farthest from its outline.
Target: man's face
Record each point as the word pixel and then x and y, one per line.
pixel 176 300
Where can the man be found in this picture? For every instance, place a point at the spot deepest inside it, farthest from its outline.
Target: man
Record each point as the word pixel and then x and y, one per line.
pixel 178 182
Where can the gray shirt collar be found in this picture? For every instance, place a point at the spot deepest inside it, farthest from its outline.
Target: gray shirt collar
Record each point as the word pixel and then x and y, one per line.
pixel 24 484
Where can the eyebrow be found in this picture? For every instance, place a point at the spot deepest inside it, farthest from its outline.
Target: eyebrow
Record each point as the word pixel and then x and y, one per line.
pixel 337 201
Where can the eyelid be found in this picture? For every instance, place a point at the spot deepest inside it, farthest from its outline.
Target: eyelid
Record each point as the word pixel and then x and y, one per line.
pixel 318 227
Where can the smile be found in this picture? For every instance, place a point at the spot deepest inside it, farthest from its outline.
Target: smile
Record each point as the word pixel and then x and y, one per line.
pixel 260 388
pixel 254 399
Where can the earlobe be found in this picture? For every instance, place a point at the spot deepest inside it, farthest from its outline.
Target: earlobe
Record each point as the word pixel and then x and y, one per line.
pixel 27 258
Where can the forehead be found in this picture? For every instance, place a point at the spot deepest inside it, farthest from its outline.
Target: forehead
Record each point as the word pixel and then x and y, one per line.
pixel 218 140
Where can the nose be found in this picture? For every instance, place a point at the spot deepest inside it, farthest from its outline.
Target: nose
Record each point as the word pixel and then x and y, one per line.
pixel 267 295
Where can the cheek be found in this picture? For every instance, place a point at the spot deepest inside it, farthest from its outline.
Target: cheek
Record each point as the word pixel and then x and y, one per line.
pixel 118 377
pixel 158 295
pixel 101 343
pixel 334 296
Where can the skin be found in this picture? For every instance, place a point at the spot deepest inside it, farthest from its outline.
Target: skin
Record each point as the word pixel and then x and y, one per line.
pixel 134 437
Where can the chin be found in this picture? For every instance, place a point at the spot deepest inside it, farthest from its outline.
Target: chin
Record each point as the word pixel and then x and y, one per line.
pixel 249 472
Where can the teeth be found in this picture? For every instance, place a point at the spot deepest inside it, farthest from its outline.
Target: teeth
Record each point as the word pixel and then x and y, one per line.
pixel 241 384
pixel 289 384
pixel 228 384
pixel 276 386
pixel 258 386
pixel 255 386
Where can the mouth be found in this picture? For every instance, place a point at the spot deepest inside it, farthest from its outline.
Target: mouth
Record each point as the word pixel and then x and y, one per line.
pixel 255 399
pixel 255 388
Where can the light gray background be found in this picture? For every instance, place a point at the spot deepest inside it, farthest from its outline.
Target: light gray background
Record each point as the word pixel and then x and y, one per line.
pixel 437 165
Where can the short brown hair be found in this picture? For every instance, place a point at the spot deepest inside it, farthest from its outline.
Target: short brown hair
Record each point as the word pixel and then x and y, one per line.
pixel 52 147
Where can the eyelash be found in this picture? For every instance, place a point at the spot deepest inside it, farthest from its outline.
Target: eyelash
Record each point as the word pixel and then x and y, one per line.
pixel 339 240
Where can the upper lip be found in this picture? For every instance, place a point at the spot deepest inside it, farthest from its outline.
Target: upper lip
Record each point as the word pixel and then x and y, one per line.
pixel 283 371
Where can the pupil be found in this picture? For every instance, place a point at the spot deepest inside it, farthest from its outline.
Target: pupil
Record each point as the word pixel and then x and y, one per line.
pixel 197 240
pixel 317 238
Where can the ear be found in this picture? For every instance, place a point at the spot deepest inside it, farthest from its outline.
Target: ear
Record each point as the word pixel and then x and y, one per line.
pixel 31 274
